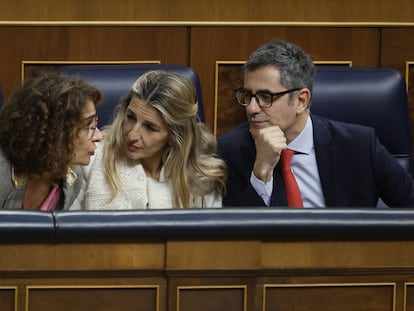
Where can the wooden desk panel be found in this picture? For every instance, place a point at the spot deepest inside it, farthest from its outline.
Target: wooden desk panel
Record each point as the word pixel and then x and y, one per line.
pixel 235 274
pixel 241 260
pixel 82 256
pixel 82 298
pixel 340 297
pixel 8 298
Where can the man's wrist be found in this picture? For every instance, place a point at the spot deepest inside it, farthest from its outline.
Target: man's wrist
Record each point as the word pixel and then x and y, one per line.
pixel 262 174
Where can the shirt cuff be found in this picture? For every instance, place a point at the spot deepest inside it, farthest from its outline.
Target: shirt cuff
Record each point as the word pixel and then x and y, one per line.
pixel 264 190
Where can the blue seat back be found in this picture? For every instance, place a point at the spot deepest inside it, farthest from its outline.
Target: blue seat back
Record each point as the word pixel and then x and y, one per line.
pixel 115 81
pixel 375 97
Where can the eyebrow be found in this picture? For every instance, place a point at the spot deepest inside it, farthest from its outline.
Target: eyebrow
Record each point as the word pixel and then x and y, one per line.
pixel 91 117
pixel 259 91
pixel 129 110
pixel 152 122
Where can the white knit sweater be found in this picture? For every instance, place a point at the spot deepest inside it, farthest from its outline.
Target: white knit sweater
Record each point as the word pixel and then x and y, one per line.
pixel 137 190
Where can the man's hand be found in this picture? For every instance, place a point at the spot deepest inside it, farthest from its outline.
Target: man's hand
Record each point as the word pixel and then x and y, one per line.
pixel 270 142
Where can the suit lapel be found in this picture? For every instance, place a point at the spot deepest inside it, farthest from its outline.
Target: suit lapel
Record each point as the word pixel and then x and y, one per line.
pixel 325 157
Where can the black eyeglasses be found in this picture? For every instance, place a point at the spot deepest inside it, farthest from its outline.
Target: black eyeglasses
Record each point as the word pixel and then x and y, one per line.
pixel 264 99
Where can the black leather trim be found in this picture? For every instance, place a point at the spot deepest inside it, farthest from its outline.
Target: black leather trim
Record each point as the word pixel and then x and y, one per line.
pixel 26 226
pixel 242 223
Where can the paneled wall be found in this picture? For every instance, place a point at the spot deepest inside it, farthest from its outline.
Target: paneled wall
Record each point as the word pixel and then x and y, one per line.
pixel 202 34
pixel 331 11
pixel 167 44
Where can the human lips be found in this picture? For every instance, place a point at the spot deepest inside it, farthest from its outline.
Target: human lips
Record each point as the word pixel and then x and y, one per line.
pixel 92 152
pixel 132 148
pixel 257 119
pixel 255 122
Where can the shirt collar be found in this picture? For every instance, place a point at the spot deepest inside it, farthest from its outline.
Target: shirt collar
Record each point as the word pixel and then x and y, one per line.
pixel 303 143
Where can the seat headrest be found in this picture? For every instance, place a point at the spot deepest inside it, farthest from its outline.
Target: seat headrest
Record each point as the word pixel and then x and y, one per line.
pixel 115 81
pixel 375 97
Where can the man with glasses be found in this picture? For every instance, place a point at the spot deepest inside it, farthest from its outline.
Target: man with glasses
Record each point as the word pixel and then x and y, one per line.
pixel 333 163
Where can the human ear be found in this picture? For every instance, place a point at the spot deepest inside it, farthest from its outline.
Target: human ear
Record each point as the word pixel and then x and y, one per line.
pixel 303 99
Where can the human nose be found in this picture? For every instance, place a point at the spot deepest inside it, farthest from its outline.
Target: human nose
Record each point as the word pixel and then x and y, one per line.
pixel 97 135
pixel 253 106
pixel 134 132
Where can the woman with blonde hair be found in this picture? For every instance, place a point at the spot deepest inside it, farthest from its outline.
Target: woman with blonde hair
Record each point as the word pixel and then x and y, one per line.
pixel 156 154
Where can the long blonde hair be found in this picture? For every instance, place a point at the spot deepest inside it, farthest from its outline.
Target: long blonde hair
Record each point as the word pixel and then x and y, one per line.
pixel 191 164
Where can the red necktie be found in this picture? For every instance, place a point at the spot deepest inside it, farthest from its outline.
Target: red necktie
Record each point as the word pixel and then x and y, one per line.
pixel 291 187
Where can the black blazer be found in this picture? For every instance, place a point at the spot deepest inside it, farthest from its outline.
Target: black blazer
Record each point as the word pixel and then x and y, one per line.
pixel 354 168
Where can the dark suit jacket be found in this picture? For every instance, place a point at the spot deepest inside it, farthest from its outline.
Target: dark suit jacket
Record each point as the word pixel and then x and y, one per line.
pixel 354 168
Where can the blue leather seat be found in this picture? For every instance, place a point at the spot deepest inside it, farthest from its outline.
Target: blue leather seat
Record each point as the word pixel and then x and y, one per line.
pixel 375 97
pixel 115 80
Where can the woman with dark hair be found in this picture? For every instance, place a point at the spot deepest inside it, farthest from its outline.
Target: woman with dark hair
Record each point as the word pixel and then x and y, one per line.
pixel 47 128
